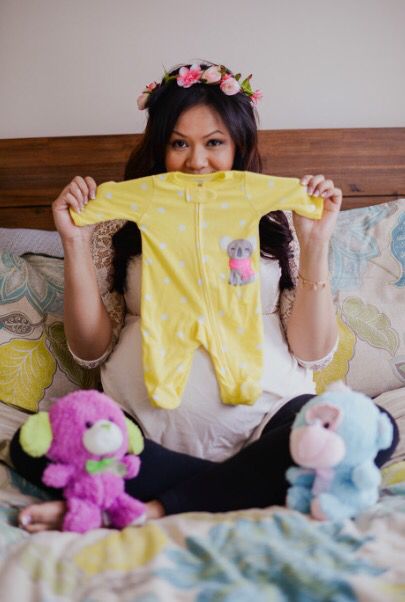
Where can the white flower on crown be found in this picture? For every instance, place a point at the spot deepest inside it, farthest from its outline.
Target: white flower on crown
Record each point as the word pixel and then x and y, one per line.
pixel 212 75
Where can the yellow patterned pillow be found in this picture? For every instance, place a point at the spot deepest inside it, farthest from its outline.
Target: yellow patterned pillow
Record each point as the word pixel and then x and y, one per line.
pixel 367 266
pixel 35 364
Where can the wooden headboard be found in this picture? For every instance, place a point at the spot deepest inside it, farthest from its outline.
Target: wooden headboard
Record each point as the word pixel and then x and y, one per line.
pixel 367 163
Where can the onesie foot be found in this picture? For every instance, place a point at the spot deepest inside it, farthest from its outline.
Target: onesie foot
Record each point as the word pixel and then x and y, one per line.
pixel 247 393
pixel 165 398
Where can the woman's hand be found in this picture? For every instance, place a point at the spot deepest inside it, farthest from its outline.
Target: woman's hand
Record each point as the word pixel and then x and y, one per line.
pixel 315 232
pixel 312 328
pixel 75 195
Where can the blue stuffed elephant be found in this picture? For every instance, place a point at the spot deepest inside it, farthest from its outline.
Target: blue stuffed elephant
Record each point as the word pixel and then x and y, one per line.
pixel 334 440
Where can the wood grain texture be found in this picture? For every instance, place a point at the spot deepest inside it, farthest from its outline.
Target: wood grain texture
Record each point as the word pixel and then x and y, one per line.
pixel 367 163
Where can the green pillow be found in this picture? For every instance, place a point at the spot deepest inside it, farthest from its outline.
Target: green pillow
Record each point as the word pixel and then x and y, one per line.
pixel 35 364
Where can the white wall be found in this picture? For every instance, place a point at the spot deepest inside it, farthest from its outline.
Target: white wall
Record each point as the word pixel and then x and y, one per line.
pixel 72 67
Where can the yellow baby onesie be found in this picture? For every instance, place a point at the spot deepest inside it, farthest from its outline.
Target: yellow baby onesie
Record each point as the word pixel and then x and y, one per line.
pixel 200 271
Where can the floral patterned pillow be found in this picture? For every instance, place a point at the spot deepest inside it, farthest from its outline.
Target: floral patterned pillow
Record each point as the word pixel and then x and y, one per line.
pixel 35 364
pixel 367 266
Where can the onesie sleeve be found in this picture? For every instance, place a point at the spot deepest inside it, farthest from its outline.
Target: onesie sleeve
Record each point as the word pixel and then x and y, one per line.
pixel 127 200
pixel 272 193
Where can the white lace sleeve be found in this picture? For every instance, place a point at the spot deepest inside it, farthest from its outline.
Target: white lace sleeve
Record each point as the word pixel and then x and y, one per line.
pixel 321 363
pixel 101 248
pixel 287 299
pixel 90 364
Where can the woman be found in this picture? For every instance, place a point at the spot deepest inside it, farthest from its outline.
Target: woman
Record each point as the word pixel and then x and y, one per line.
pixel 203 455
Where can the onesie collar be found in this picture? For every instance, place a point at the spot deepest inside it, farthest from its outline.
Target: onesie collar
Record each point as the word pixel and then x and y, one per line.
pixel 198 188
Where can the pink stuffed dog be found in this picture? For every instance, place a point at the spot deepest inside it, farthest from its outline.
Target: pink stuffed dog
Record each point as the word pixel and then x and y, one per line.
pixel 88 437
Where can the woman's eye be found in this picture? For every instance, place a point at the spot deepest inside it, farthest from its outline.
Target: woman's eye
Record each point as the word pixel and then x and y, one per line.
pixel 215 142
pixel 178 144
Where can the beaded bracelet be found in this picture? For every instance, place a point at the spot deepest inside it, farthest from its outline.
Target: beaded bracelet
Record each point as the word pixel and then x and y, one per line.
pixel 311 284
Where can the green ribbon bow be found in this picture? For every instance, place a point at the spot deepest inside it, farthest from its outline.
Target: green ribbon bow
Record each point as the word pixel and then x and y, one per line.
pixel 95 466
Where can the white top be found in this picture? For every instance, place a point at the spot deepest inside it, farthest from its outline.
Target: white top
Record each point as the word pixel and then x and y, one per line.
pixel 202 425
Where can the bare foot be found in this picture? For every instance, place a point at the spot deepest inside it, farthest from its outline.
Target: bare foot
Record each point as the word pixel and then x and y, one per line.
pixel 154 509
pixel 47 516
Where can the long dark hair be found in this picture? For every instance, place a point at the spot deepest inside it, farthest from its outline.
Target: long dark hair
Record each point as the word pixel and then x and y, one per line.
pixel 165 105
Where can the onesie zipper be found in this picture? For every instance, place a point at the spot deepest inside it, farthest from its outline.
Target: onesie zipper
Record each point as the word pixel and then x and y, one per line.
pixel 210 310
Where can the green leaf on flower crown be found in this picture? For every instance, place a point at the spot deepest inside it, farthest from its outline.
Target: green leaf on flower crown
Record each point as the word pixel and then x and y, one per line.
pixel 246 87
pixel 84 378
pixel 370 325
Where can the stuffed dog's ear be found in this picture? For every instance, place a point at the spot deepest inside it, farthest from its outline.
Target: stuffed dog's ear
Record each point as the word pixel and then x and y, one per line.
pixel 135 439
pixel 36 435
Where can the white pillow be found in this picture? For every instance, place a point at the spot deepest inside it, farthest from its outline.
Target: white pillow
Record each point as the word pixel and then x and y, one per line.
pixel 25 240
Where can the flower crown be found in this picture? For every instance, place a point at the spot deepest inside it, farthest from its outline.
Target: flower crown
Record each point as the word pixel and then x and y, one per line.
pixel 195 74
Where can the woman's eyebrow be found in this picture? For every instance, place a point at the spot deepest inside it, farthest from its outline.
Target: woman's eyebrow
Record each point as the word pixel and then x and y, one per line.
pixel 206 136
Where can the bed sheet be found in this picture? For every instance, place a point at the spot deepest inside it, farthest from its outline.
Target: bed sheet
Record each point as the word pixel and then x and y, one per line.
pixel 262 555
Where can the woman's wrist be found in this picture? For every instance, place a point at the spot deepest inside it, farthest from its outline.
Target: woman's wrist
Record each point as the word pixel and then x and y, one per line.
pixel 312 285
pixel 314 267
pixel 74 244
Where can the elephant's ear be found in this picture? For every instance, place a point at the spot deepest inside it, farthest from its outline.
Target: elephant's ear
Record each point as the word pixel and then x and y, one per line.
pixel 385 431
pixel 36 435
pixel 135 439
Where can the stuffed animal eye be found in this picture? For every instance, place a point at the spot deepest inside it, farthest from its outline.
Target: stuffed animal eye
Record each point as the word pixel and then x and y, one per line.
pixel 88 424
pixel 326 425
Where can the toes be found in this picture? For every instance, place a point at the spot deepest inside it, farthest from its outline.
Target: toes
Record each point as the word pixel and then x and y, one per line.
pixel 37 528
pixel 41 517
pixel 25 518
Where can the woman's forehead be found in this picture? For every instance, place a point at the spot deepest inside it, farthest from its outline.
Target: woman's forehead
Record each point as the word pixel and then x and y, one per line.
pixel 201 120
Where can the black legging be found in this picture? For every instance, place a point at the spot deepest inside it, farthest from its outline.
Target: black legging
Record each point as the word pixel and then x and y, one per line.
pixel 254 477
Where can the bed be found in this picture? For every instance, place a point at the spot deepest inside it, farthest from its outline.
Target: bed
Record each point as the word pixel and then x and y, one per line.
pixel 262 554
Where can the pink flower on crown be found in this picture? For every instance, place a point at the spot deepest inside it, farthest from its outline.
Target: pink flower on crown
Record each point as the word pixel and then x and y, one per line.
pixel 151 87
pixel 212 75
pixel 229 85
pixel 187 77
pixel 142 100
pixel 256 96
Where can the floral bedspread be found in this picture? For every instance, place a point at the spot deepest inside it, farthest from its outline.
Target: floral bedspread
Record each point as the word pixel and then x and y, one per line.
pixel 255 555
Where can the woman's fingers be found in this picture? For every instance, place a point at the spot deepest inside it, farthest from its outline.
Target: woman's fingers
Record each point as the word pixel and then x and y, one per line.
pixel 72 200
pixel 334 199
pixel 314 183
pixel 92 186
pixel 81 184
pixel 305 179
pixel 319 186
pixel 325 187
pixel 78 192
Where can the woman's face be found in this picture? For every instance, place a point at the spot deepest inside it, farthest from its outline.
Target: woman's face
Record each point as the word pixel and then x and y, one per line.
pixel 200 143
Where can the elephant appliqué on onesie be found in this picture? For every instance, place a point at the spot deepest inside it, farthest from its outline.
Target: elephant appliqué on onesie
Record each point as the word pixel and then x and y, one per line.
pixel 195 292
